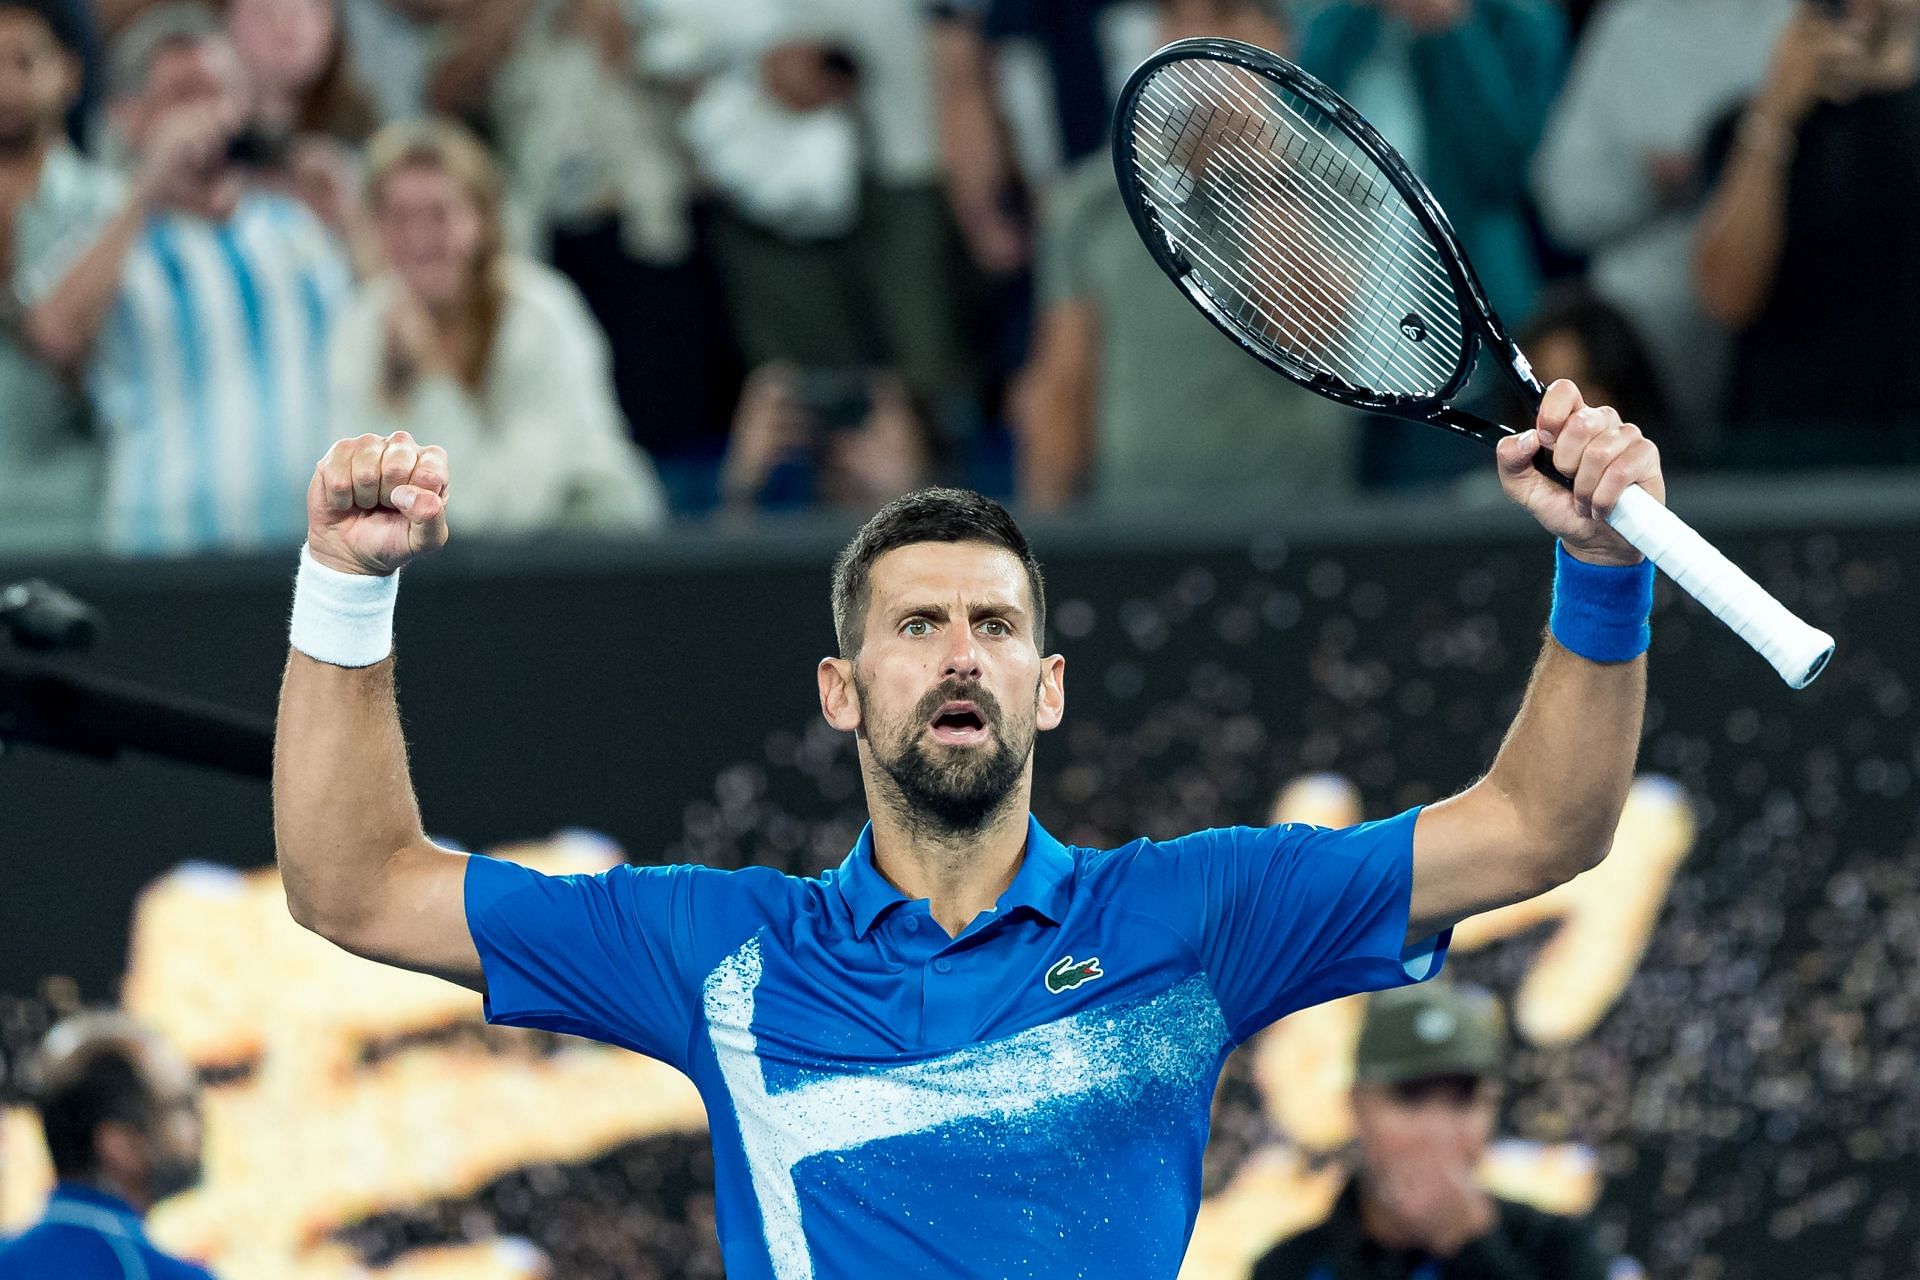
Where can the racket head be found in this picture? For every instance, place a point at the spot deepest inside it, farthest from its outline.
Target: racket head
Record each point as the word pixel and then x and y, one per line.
pixel 1301 233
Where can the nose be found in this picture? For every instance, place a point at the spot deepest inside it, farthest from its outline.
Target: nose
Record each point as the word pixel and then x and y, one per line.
pixel 962 658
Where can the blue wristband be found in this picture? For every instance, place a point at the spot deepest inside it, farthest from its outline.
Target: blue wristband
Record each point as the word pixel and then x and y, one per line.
pixel 1601 611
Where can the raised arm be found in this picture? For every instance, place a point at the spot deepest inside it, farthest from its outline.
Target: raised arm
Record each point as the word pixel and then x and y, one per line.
pixel 357 867
pixel 1736 250
pixel 1547 809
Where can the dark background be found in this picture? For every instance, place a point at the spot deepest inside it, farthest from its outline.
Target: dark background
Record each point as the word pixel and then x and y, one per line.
pixel 1750 1095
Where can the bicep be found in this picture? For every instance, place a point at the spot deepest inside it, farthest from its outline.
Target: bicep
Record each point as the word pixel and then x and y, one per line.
pixel 419 918
pixel 1465 860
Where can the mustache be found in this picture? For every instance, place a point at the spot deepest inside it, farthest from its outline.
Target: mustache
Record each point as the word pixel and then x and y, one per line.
pixel 958 691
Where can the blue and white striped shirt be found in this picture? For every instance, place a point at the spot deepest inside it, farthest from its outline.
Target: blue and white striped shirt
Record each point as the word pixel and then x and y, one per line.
pixel 211 377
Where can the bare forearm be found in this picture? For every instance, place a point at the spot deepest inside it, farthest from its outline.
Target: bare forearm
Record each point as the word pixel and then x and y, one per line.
pixel 1055 442
pixel 463 81
pixel 1742 229
pixel 343 803
pixel 1568 759
pixel 63 325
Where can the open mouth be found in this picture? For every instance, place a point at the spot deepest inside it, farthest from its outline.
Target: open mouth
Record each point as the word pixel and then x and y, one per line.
pixel 959 724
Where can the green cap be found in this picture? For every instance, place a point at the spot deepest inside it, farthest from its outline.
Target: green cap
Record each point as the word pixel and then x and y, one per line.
pixel 1432 1029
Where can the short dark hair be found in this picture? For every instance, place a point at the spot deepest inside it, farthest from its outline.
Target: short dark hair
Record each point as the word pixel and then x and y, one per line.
pixel 926 515
pixel 64 19
pixel 101 1080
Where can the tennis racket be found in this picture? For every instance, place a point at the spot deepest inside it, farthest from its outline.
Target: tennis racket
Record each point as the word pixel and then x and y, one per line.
pixel 1299 231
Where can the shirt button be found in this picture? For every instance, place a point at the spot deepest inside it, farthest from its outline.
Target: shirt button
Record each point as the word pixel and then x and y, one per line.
pixel 913 924
pixel 943 966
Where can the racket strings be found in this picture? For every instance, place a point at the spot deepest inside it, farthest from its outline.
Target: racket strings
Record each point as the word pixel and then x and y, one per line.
pixel 1264 286
pixel 1311 273
pixel 1397 254
pixel 1415 249
pixel 1309 239
pixel 1319 294
pixel 1316 329
pixel 1261 286
pixel 1337 154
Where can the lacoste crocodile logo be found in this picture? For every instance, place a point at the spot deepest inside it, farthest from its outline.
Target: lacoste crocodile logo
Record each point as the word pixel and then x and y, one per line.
pixel 1067 974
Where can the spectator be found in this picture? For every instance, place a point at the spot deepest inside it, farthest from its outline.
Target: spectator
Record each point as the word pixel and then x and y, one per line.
pixel 394 46
pixel 121 1114
pixel 295 54
pixel 200 312
pixel 1132 398
pixel 1618 172
pixel 308 113
pixel 1027 90
pixel 1462 88
pixel 1576 335
pixel 843 438
pixel 487 353
pixel 1808 248
pixel 816 121
pixel 1425 1096
pixel 51 201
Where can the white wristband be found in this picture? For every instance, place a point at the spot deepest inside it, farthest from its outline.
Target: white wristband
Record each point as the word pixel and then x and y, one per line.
pixel 343 619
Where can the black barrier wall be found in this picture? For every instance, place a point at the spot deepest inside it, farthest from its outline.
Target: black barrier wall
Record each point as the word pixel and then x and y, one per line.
pixel 1750 1094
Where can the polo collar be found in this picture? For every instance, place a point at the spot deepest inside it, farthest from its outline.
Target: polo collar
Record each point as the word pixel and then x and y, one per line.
pixel 1043 884
pixel 84 1195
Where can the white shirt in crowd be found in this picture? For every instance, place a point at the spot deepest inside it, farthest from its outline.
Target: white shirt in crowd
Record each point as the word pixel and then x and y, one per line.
pixel 1651 77
pixel 541 444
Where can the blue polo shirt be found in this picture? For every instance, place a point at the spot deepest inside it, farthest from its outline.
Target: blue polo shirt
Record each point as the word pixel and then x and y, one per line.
pixel 1029 1099
pixel 87 1234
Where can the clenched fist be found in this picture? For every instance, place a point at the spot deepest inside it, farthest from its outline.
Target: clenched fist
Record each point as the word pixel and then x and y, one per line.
pixel 1599 454
pixel 377 502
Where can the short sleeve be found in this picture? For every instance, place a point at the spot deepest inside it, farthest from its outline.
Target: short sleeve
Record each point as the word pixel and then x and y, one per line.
pixel 602 956
pixel 1061 270
pixel 1291 916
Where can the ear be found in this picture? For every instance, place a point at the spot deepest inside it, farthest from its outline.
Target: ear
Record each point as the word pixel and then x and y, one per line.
pixel 74 73
pixel 126 118
pixel 1053 693
pixel 120 1152
pixel 839 696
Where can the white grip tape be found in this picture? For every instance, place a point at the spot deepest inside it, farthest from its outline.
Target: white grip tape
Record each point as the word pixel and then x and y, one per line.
pixel 1797 651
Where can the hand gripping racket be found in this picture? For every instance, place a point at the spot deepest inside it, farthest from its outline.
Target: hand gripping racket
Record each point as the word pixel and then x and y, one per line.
pixel 1294 227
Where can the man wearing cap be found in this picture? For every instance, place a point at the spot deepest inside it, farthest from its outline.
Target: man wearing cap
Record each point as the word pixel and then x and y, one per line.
pixel 1425 1096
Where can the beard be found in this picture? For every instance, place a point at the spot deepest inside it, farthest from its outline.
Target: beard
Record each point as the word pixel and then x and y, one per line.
pixel 955 790
pixel 19 136
pixel 172 1175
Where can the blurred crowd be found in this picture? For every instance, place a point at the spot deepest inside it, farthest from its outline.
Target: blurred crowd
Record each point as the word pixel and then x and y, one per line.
pixel 628 259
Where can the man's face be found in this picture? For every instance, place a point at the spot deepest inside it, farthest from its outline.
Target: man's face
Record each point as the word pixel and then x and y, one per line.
pixel 1441 1121
pixel 203 76
pixel 174 1145
pixel 38 80
pixel 950 684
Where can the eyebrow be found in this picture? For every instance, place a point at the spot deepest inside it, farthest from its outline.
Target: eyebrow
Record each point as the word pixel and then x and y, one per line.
pixel 975 609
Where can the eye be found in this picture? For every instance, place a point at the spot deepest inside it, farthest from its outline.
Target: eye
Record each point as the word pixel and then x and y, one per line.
pixel 996 627
pixel 917 627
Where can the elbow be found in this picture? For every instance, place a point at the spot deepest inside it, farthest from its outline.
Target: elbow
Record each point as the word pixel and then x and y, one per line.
pixel 1730 289
pixel 58 342
pixel 328 920
pixel 1574 859
pixel 1727 302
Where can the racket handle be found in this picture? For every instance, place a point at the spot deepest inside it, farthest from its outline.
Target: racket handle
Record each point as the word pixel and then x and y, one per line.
pixel 1799 652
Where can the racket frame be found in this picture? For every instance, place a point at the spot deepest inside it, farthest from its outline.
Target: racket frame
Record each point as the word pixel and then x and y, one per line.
pixel 1481 329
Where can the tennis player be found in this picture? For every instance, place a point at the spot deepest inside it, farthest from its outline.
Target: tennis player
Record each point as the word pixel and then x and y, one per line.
pixel 968 1050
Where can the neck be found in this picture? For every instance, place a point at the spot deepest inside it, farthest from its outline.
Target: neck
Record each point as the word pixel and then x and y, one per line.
pixel 1376 1222
pixel 20 165
pixel 959 873
pixel 120 1189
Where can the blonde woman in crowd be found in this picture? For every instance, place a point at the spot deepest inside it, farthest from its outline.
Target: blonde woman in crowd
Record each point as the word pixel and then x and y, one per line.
pixel 489 354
